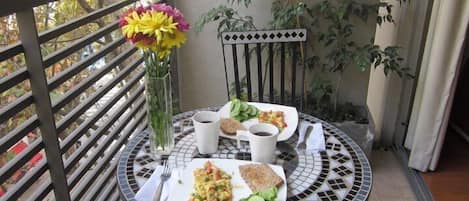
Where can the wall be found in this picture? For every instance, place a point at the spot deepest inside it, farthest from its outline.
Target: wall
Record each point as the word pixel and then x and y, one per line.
pixel 201 75
pixel 201 71
pixel 389 98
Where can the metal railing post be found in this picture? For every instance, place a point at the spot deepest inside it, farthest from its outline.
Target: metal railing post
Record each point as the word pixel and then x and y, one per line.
pixel 40 92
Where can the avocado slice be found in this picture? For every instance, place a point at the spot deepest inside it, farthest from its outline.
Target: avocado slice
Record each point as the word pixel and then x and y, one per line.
pixel 244 106
pixel 235 108
pixel 256 198
pixel 252 111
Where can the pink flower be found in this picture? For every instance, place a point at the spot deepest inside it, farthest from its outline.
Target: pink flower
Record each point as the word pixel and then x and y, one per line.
pixel 178 17
pixel 139 10
pixel 162 8
pixel 183 25
pixel 122 21
pixel 142 38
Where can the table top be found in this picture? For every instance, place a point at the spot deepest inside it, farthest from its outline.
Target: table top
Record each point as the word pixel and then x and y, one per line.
pixel 342 172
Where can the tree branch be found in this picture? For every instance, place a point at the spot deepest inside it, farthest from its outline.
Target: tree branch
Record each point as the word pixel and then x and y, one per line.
pixel 85 6
pixel 100 3
pixel 64 41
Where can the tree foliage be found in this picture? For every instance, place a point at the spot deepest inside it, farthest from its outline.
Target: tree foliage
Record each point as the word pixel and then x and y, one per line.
pixel 49 16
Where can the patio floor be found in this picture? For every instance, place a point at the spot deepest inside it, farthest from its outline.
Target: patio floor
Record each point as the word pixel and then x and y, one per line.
pixel 389 180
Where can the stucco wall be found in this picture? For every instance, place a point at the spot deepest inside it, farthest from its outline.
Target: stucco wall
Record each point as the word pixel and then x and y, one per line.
pixel 200 61
pixel 389 98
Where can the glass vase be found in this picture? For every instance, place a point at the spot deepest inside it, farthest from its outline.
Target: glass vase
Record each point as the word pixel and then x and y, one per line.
pixel 159 107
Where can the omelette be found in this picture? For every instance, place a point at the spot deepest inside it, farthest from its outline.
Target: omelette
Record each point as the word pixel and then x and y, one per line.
pixel 211 184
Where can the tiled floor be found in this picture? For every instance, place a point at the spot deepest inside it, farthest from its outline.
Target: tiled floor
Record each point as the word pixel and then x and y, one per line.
pixel 389 180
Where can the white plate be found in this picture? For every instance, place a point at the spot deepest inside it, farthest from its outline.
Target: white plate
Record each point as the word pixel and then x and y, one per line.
pixel 182 191
pixel 290 115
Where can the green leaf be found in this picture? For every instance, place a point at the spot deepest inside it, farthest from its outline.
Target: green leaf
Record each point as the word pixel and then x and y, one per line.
pixel 329 42
pixel 389 18
pixel 388 8
pixel 378 60
pixel 341 13
pixel 386 71
pixel 220 25
pixel 321 37
pixel 229 13
pixel 379 20
pixel 324 5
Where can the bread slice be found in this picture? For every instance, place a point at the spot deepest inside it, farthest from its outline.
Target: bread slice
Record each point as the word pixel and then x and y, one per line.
pixel 260 177
pixel 229 126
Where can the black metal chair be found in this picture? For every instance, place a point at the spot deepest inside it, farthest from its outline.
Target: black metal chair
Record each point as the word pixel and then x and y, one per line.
pixel 287 44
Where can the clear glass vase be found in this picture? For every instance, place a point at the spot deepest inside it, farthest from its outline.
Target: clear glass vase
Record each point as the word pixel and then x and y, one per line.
pixel 159 106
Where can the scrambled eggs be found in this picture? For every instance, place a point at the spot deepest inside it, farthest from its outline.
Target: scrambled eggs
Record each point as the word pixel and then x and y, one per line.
pixel 273 117
pixel 211 184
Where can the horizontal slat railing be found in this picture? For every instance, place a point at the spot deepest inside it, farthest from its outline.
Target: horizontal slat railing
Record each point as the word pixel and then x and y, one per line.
pixel 91 169
pixel 13 79
pixel 85 182
pixel 105 178
pixel 42 191
pixel 76 156
pixel 81 171
pixel 10 7
pixel 15 107
pixel 11 51
pixel 66 51
pixel 19 132
pixel 45 188
pixel 78 132
pixel 86 83
pixel 28 179
pixel 114 196
pixel 20 160
pixel 70 26
pixel 78 67
pixel 107 193
pixel 85 105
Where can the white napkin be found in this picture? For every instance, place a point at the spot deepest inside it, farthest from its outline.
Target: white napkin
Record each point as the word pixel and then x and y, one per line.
pixel 148 189
pixel 314 140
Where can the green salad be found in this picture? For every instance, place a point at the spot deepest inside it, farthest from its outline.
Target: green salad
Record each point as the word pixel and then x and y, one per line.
pixel 266 195
pixel 242 111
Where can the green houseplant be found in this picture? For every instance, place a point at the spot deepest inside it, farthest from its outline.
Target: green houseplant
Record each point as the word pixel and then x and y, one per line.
pixel 331 25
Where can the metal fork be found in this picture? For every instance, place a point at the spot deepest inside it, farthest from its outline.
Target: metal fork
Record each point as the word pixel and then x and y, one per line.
pixel 164 177
pixel 308 131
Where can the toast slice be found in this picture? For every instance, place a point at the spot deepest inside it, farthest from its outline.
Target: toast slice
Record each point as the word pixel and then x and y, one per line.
pixel 229 126
pixel 260 177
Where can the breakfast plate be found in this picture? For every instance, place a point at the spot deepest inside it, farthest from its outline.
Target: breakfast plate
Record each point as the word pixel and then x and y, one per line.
pixel 290 117
pixel 182 190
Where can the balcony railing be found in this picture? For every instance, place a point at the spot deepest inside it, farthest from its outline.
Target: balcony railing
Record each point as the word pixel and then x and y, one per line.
pixel 80 129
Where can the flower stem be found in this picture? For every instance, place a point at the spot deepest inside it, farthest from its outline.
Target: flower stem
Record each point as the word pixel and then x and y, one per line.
pixel 159 101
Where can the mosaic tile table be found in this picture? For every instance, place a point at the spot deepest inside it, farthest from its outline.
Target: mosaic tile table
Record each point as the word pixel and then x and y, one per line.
pixel 342 172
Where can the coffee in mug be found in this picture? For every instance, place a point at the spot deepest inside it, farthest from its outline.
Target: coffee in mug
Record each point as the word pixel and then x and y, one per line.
pixel 262 141
pixel 206 129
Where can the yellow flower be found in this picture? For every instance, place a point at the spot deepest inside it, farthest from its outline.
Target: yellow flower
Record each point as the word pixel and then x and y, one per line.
pixel 156 24
pixel 133 25
pixel 154 31
pixel 174 40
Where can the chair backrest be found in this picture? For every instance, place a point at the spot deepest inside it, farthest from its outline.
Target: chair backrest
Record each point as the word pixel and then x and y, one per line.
pixel 288 45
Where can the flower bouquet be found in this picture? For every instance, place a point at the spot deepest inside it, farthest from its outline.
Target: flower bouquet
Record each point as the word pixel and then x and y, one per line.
pixel 156 30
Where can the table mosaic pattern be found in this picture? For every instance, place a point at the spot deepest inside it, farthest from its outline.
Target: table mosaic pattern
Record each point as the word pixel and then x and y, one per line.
pixel 342 172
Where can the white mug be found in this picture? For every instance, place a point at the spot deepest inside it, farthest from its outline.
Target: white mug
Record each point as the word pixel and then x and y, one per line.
pixel 262 146
pixel 207 127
